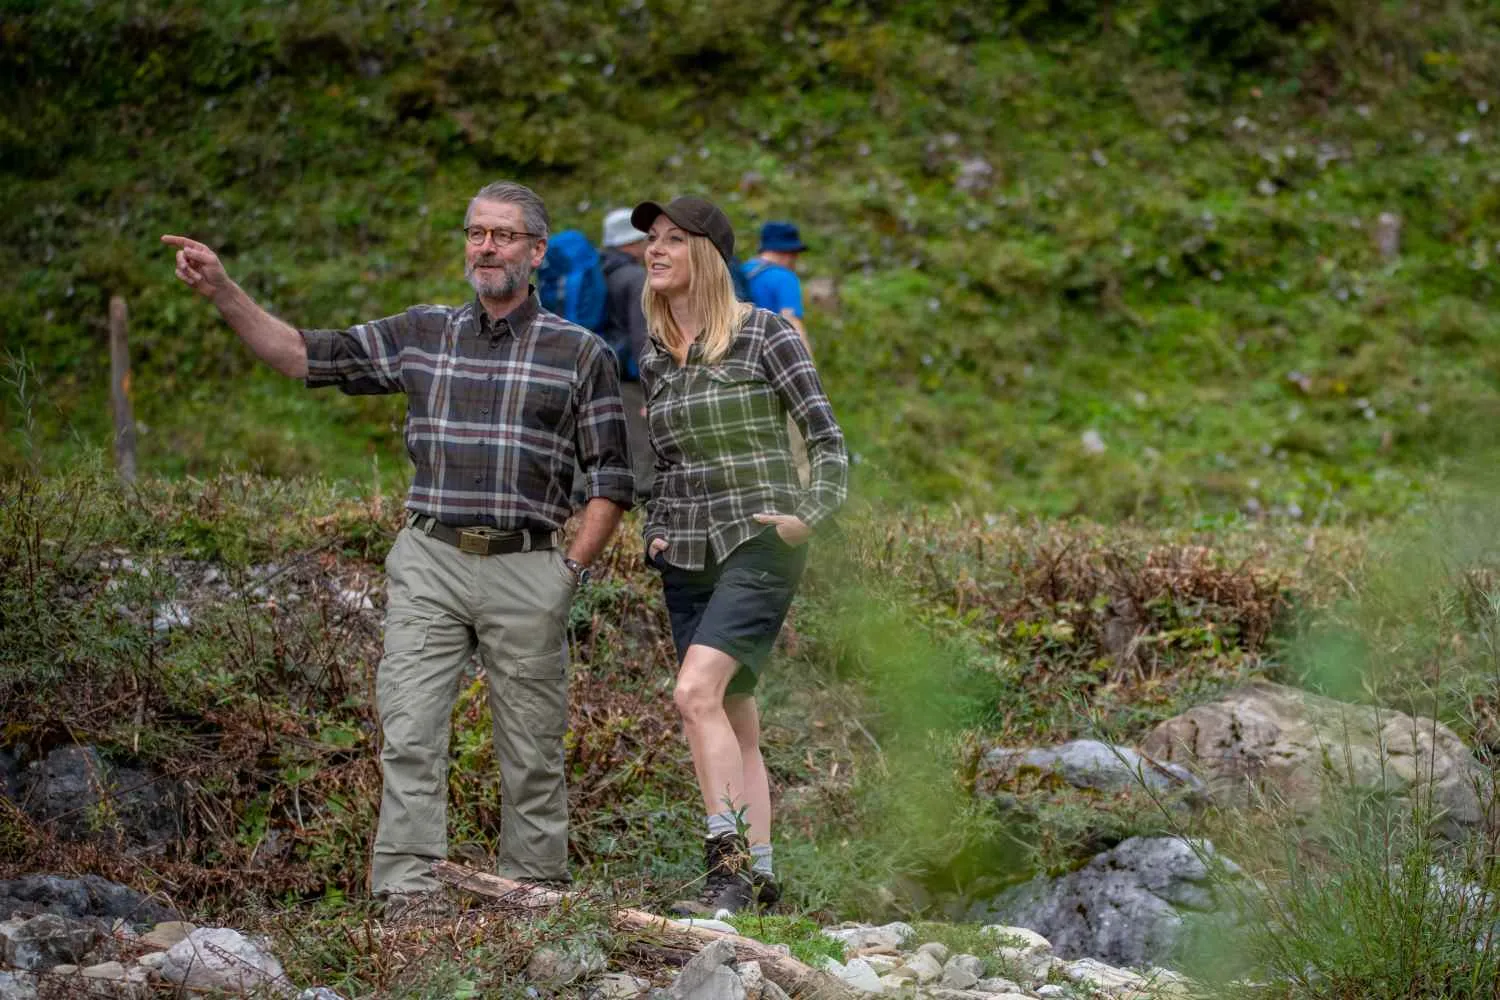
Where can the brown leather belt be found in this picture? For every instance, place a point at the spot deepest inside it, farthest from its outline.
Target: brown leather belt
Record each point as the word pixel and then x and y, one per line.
pixel 483 541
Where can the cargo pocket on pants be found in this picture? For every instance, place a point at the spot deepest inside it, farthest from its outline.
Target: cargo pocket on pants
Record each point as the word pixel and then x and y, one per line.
pixel 539 689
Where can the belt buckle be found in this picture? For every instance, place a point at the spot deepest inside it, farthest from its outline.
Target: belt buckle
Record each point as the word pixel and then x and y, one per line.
pixel 476 541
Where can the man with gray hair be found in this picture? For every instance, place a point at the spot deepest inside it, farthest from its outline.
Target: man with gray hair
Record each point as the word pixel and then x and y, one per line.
pixel 624 330
pixel 503 398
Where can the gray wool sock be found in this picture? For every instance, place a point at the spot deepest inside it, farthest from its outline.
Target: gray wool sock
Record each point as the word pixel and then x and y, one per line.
pixel 721 823
pixel 760 859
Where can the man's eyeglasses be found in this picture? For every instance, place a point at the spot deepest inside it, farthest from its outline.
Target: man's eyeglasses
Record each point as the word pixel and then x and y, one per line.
pixel 502 237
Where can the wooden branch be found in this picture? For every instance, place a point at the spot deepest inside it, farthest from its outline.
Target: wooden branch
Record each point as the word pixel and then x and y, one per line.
pixel 797 979
pixel 119 389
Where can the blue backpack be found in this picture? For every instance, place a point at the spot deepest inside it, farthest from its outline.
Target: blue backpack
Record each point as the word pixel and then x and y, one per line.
pixel 571 280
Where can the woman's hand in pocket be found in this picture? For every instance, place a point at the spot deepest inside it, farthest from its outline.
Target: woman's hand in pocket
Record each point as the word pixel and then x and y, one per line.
pixel 789 527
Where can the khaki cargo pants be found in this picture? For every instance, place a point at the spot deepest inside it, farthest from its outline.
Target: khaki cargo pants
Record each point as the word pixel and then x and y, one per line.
pixel 444 604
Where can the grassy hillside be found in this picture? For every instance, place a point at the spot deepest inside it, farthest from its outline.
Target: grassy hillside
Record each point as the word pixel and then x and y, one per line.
pixel 1173 240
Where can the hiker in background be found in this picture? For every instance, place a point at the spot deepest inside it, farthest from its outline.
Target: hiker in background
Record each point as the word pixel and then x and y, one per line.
pixel 502 399
pixel 728 523
pixel 771 277
pixel 772 273
pixel 624 330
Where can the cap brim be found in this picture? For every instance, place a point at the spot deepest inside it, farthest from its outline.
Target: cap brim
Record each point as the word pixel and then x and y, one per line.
pixel 644 214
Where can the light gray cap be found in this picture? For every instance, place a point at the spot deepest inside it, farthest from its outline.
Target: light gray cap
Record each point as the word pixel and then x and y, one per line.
pixel 618 231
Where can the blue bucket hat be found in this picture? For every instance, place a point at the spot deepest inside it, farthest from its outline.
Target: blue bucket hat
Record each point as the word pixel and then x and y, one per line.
pixel 782 236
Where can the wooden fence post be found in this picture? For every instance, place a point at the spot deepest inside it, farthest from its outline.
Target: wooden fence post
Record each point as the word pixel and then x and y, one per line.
pixel 119 388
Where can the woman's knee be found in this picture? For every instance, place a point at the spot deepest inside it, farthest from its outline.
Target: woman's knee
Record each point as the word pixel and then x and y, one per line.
pixel 696 699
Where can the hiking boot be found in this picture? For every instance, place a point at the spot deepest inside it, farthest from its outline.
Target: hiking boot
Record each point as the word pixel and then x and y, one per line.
pixel 729 884
pixel 764 889
pixel 405 907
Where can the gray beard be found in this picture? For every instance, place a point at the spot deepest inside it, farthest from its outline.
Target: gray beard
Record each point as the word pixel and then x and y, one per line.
pixel 512 279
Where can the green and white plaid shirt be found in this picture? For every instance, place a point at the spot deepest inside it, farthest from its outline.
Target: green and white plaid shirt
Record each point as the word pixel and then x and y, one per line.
pixel 720 437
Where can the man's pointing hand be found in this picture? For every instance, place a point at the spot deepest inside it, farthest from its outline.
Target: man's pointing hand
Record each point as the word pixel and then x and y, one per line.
pixel 198 267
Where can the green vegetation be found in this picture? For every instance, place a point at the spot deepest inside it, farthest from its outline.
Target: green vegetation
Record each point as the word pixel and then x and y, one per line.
pixel 1251 246
pixel 1172 241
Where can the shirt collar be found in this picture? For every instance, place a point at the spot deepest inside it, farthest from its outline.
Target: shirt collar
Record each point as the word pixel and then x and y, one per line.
pixel 516 322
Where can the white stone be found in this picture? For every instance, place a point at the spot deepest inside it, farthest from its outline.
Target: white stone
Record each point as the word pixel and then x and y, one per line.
pixel 1092 972
pixel 997 985
pixel 962 972
pixel 883 963
pixel 568 962
pixel 1019 938
pixel 926 967
pixel 1026 964
pixel 709 975
pixel 936 949
pixel 706 924
pixel 1051 990
pixel 859 974
pixel 857 936
pixel 623 986
pixel 752 978
pixel 167 933
pixel 1093 442
pixel 220 958
pixel 151 960
pixel 897 984
pixel 17 986
pixel 104 970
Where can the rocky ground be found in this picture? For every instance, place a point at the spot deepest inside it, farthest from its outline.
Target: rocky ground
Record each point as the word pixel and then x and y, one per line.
pixel 87 937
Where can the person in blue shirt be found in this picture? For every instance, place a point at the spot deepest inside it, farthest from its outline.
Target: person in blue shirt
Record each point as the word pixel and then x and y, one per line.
pixel 772 273
pixel 771 276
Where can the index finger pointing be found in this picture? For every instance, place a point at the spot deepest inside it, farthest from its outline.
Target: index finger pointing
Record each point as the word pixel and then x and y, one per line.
pixel 182 241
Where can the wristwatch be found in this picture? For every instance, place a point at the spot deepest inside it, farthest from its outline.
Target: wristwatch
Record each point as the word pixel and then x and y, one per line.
pixel 579 570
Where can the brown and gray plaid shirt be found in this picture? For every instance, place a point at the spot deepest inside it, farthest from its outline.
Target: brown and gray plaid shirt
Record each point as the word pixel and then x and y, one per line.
pixel 497 411
pixel 722 453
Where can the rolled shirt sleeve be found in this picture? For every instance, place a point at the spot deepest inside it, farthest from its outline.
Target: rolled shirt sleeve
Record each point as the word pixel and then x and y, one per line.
pixel 602 448
pixel 789 369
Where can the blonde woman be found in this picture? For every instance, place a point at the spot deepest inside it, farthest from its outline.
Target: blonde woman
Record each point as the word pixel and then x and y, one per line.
pixel 728 522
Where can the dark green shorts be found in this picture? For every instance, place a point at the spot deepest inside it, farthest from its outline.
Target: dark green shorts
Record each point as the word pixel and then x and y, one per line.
pixel 736 606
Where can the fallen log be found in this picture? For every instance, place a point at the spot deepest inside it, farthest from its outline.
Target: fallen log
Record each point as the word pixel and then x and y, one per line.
pixel 797 979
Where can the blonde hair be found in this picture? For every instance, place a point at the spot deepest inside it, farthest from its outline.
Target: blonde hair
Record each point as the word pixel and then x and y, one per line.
pixel 712 292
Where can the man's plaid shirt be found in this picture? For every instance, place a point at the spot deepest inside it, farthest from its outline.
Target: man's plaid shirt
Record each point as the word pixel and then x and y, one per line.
pixel 722 453
pixel 497 411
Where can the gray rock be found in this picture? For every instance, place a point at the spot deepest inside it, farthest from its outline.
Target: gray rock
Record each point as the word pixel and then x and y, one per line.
pixel 857 936
pixel 1094 973
pixel 567 962
pixel 997 985
pixel 926 967
pixel 1265 741
pixel 45 941
pixel 85 896
pixel 1051 990
pixel 861 976
pixel 962 972
pixel 318 993
pixel 17 986
pixel 220 958
pixel 73 788
pixel 622 986
pixel 936 949
pixel 709 975
pixel 1106 767
pixel 167 933
pixel 1126 906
